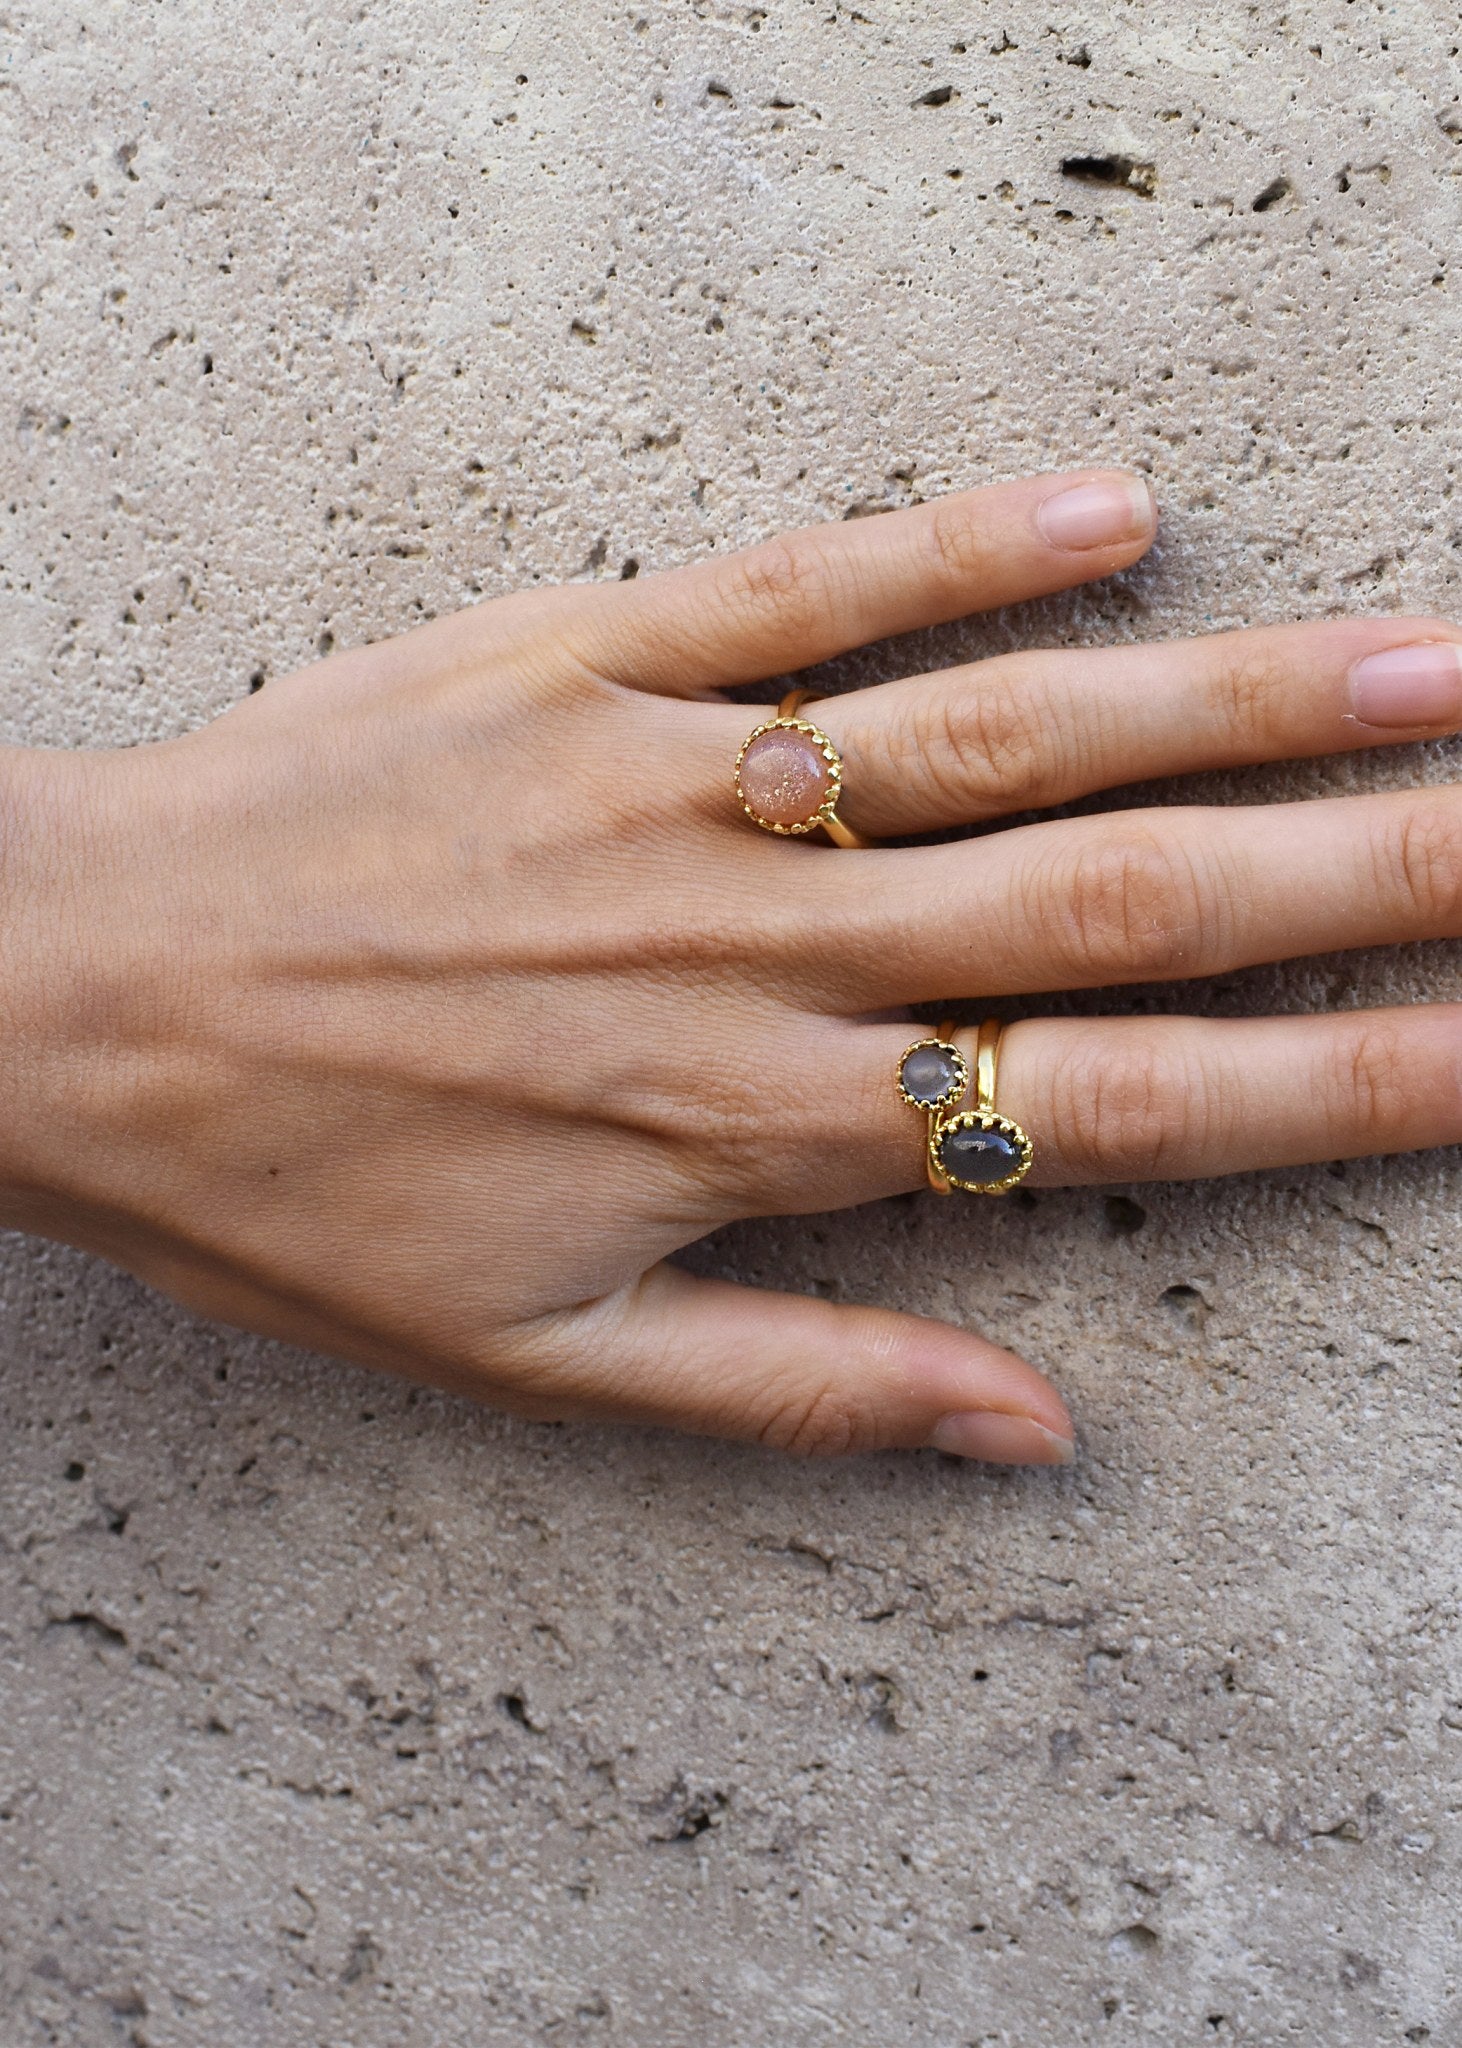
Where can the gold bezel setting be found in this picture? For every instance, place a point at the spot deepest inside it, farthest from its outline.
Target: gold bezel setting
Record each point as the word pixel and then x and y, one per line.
pixel 983 1120
pixel 827 810
pixel 957 1089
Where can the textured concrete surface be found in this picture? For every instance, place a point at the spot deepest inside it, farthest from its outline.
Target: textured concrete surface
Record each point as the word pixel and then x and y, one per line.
pixel 335 1714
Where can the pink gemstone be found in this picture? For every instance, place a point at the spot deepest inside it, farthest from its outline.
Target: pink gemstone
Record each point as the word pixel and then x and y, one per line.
pixel 784 777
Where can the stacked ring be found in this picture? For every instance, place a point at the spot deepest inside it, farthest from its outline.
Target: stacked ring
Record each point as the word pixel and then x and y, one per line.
pixel 933 1076
pixel 976 1150
pixel 789 777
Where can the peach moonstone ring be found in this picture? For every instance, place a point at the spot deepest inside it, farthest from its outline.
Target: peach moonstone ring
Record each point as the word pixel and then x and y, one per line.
pixel 789 776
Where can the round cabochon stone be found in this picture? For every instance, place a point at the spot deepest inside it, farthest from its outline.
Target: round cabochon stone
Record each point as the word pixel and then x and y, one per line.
pixel 929 1073
pixel 784 777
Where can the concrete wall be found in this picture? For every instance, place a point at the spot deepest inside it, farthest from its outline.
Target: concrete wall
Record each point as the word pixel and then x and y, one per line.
pixel 335 1713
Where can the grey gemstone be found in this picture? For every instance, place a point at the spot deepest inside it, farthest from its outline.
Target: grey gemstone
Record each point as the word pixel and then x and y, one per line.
pixel 929 1073
pixel 968 1153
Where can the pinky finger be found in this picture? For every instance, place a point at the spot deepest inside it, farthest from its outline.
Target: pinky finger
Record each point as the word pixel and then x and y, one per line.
pixel 1178 1098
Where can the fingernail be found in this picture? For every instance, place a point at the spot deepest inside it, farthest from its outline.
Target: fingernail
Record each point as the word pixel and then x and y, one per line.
pixel 1409 686
pixel 1100 515
pixel 1002 1439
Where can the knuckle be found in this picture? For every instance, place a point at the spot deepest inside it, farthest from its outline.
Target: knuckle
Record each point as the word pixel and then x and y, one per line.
pixel 1246 690
pixel 1127 1115
pixel 986 751
pixel 1127 906
pixel 959 539
pixel 1422 857
pixel 783 585
pixel 713 1124
pixel 819 1421
pixel 1366 1083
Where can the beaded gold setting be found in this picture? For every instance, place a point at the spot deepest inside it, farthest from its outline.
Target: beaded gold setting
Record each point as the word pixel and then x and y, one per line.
pixel 826 812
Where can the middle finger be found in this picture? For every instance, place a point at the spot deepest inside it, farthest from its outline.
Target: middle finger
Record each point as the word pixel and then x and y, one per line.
pixel 1133 896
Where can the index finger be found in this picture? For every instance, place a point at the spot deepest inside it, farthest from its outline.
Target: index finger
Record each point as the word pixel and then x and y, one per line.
pixel 805 596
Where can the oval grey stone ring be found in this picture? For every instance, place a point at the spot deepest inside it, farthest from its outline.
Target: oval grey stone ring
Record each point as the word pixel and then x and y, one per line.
pixel 977 1150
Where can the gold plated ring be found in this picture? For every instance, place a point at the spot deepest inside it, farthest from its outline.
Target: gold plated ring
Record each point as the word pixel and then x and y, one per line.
pixel 933 1076
pixel 789 777
pixel 978 1150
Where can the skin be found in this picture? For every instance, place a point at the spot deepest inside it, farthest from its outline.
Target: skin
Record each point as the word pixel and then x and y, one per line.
pixel 417 1008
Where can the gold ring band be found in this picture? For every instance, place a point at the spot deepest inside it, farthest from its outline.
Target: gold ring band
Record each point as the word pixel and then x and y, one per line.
pixel 978 1150
pixel 789 777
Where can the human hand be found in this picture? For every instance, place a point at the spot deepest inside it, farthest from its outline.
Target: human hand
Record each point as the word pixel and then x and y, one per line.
pixel 417 1008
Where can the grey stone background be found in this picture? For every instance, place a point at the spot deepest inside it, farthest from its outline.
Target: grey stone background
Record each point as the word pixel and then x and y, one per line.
pixel 335 1713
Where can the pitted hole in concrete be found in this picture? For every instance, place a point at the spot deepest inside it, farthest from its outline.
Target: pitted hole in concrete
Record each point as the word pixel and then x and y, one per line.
pixel 515 1707
pixel 74 1471
pixel 693 1814
pixel 98 1632
pixel 1186 1304
pixel 938 96
pixel 363 1961
pixel 1124 1216
pixel 1137 1940
pixel 1125 172
pixel 256 680
pixel 1278 189
pixel 629 568
pixel 883 1697
pixel 698 1821
pixel 1347 1830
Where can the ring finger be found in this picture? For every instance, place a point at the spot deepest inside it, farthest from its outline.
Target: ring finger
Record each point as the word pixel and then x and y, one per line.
pixel 1025 731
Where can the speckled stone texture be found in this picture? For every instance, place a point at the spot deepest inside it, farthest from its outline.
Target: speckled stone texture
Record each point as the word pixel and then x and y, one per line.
pixel 339 1714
